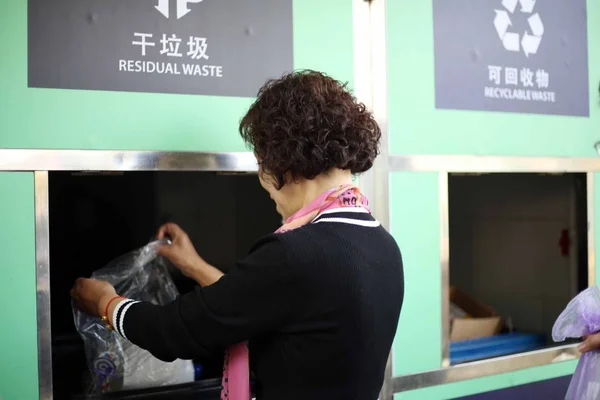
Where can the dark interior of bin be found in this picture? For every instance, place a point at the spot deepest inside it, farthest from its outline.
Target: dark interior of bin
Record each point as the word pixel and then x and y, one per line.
pixel 96 217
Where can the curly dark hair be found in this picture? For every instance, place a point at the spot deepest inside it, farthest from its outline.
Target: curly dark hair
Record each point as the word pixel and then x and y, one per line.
pixel 306 123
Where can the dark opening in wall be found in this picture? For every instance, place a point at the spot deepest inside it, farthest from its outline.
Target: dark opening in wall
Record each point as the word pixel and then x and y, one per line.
pixel 95 218
pixel 518 253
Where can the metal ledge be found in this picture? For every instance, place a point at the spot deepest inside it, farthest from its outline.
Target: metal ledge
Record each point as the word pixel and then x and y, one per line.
pixel 117 160
pixel 484 164
pixel 485 368
pixel 124 160
pixel 42 270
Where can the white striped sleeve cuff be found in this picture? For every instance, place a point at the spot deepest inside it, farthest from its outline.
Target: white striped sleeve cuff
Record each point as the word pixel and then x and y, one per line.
pixel 119 315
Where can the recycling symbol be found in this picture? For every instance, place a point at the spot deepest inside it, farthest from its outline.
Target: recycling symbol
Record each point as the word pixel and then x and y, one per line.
pixel 512 41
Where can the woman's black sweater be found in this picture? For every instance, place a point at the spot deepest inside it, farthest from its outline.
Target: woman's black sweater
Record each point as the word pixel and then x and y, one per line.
pixel 319 306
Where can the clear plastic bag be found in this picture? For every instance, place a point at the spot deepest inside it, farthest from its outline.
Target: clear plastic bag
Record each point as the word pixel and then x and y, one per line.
pixel 114 363
pixel 580 318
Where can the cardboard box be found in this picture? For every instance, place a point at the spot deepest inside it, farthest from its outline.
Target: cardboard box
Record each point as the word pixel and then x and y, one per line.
pixel 482 320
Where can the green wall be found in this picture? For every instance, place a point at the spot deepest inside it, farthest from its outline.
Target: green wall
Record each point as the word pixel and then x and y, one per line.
pixel 416 127
pixel 79 119
pixel 414 195
pixel 18 347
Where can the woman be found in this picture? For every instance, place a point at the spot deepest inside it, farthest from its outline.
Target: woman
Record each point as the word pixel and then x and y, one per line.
pixel 319 300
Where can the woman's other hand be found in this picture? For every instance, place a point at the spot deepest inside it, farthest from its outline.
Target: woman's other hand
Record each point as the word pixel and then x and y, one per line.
pixel 181 251
pixel 590 343
pixel 91 295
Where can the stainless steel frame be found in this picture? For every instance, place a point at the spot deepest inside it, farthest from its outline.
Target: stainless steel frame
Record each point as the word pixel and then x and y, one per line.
pixel 484 368
pixel 131 160
pixel 483 164
pixel 444 265
pixel 116 160
pixel 42 264
pixel 370 87
pixel 444 164
pixel 42 161
pixel 379 89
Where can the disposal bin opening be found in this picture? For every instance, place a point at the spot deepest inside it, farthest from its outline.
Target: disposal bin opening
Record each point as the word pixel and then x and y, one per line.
pixel 518 255
pixel 96 217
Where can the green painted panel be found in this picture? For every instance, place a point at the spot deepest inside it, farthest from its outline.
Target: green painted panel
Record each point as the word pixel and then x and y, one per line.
pixel 416 127
pixel 415 225
pixel 18 347
pixel 49 118
pixel 466 388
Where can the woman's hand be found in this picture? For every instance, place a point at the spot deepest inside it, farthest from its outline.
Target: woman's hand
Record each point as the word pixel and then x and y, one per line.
pixel 91 295
pixel 590 343
pixel 182 253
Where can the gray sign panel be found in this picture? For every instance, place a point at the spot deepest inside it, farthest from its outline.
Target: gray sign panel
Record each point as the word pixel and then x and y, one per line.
pixel 523 56
pixel 212 47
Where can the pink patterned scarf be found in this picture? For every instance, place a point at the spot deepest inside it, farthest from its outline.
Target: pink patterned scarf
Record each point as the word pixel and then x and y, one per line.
pixel 236 371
